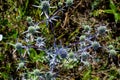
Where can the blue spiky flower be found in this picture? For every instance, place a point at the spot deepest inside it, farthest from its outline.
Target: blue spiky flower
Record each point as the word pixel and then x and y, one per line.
pixel 63 52
pixel 45 6
pixel 84 55
pixel 82 38
pixel 18 46
pixel 95 45
pixel 102 30
pixel 31 29
pixel 86 28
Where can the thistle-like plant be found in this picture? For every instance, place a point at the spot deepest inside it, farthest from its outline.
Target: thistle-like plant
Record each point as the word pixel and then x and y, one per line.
pixel 21 65
pixel 110 47
pixel 40 43
pixel 60 4
pixel 18 18
pixel 95 45
pixel 18 46
pixel 112 52
pixel 36 72
pixel 69 2
pixel 63 53
pixel 102 30
pixel 82 37
pixel 86 29
pixel 29 19
pixel 45 7
pixel 84 56
pixel 31 30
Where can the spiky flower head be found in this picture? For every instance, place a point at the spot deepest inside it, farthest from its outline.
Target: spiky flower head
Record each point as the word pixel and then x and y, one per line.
pixel 29 19
pixel 86 28
pixel 45 6
pixel 112 52
pixel 31 29
pixel 82 38
pixel 60 4
pixel 95 45
pixel 101 29
pixel 71 55
pixel 20 65
pixel 18 18
pixel 110 47
pixel 84 55
pixel 39 39
pixel 69 2
pixel 36 72
pixel 63 52
pixel 18 46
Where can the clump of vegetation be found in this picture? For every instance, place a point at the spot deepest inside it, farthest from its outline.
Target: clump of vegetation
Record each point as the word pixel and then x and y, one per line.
pixel 56 41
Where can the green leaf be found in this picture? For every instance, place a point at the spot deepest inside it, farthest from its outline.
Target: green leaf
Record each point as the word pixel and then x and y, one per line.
pixel 109 11
pixel 118 17
pixel 14 33
pixel 112 6
pixel 111 78
pixel 87 75
pixel 40 57
pixel 37 57
pixel 4 75
pixel 32 52
pixel 96 78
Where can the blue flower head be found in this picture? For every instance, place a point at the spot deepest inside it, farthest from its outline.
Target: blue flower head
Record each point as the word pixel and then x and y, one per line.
pixel 45 6
pixel 63 52
pixel 95 45
pixel 102 29
pixel 18 46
